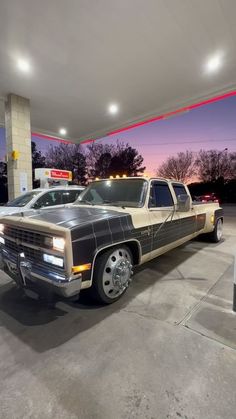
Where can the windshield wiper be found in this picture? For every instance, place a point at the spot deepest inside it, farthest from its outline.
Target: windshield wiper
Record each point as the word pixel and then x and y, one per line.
pixel 105 202
pixel 114 203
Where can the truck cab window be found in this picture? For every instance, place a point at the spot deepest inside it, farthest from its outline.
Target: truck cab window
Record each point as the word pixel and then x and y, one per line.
pixel 160 195
pixel 179 189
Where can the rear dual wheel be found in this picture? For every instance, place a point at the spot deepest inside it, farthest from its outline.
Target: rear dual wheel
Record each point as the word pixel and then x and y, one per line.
pixel 112 274
pixel 217 233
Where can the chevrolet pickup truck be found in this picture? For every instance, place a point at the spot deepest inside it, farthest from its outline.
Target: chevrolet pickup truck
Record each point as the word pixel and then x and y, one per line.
pixel 95 242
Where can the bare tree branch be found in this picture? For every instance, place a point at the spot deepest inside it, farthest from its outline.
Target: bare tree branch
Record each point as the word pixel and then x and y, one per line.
pixel 213 164
pixel 180 167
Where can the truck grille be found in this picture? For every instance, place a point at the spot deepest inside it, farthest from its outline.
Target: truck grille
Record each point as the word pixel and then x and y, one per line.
pixel 19 248
pixel 29 242
pixel 25 236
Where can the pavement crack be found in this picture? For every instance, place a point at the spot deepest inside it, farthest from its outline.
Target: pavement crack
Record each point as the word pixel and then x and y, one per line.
pixel 148 316
pixel 208 337
pixel 197 305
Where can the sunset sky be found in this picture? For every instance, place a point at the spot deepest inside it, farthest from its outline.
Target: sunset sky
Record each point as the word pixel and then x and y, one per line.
pixel 209 127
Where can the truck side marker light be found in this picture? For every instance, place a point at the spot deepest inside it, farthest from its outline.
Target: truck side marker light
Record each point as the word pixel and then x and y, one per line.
pixel 212 219
pixel 81 268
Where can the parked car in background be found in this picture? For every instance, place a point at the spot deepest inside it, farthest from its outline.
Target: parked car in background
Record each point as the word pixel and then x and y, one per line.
pixel 41 198
pixel 211 197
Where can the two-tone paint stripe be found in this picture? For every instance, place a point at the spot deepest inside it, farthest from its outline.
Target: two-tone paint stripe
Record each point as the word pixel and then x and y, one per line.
pixel 97 235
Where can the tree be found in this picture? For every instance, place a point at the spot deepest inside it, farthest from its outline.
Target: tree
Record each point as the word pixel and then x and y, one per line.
pixel 104 160
pixel 3 169
pixel 180 167
pixel 68 157
pixel 3 182
pixel 37 159
pixel 213 165
pixel 102 166
pixel 127 161
pixel 96 163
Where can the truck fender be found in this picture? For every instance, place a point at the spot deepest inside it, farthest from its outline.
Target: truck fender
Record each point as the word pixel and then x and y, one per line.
pixel 134 247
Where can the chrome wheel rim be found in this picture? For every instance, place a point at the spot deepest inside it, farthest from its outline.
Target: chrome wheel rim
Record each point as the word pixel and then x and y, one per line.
pixel 219 231
pixel 117 273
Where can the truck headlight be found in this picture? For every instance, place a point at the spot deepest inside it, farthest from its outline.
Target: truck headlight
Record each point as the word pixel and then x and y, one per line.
pixel 1 228
pixel 58 243
pixel 54 260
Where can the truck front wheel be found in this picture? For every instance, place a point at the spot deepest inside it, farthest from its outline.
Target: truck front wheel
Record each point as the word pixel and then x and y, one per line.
pixel 112 274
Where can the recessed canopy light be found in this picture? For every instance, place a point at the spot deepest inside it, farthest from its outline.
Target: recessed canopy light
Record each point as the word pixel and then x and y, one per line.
pixel 62 131
pixel 214 63
pixel 113 108
pixel 23 65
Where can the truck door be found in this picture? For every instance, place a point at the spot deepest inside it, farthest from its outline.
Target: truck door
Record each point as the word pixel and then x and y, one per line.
pixel 188 220
pixel 165 221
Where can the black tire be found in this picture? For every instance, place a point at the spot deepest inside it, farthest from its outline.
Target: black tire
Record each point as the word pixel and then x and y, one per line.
pixel 216 235
pixel 99 291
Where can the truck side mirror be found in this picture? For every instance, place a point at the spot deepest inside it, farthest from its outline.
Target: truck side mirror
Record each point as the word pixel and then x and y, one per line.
pixel 183 203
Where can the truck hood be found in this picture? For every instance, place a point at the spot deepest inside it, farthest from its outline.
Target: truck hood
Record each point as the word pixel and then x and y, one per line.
pixel 74 216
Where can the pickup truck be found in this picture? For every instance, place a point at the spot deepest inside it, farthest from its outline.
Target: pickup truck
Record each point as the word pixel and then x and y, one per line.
pixel 114 225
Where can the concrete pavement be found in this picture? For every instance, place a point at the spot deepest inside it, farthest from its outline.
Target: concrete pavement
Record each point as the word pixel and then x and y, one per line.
pixel 165 350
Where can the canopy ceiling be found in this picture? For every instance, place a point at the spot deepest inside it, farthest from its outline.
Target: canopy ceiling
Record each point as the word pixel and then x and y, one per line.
pixel 148 56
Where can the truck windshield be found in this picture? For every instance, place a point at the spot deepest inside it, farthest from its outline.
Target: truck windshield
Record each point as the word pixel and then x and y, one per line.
pixel 117 192
pixel 22 200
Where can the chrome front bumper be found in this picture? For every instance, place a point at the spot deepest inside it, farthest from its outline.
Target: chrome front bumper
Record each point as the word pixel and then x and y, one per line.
pixel 28 274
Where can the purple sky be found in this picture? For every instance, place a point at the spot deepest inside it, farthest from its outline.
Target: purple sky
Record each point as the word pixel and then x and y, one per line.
pixel 210 126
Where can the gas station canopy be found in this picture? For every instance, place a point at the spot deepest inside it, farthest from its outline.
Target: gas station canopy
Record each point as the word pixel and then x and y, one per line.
pixel 92 67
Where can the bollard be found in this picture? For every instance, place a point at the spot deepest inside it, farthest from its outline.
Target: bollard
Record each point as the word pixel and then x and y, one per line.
pixel 234 291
